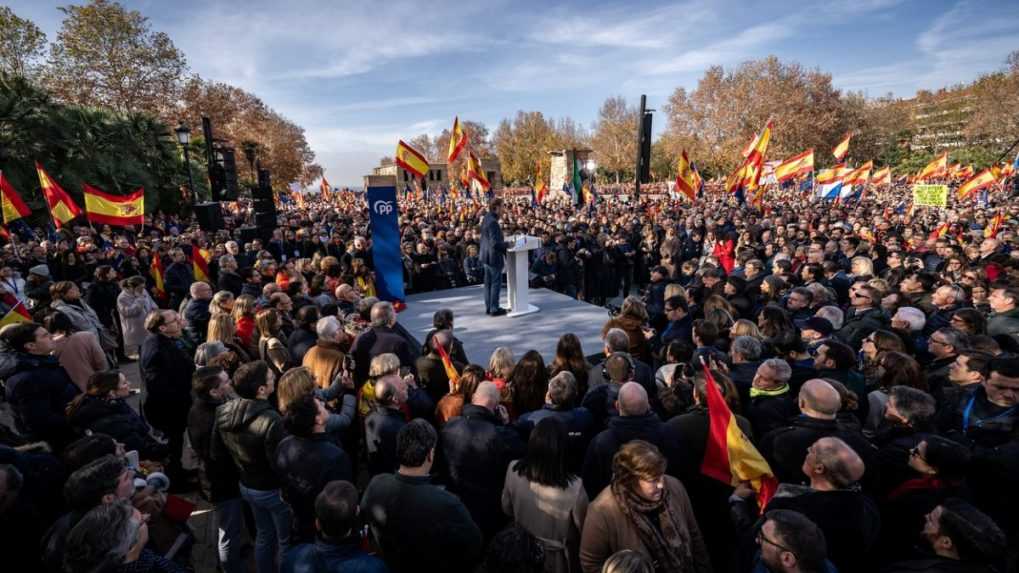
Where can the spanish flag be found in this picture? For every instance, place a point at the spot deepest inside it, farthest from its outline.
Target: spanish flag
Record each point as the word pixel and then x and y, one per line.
pixel 119 210
pixel 939 232
pixel 324 187
pixel 795 166
pixel 199 263
pixel 156 270
pixel 994 226
pixel 541 189
pixel 447 365
pixel 686 179
pixel 411 159
pixel 985 178
pixel 842 149
pixel 475 172
pixel 860 175
pixel 13 207
pixel 62 207
pixel 965 172
pixel 833 175
pixel 16 315
pixel 729 457
pixel 747 176
pixel 882 176
pixel 938 167
pixel 457 140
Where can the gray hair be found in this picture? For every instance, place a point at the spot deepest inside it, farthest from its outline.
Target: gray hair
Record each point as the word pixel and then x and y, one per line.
pixel 383 314
pixel 327 327
pixel 914 316
pixel 748 347
pixel 226 260
pixel 957 339
pixel 783 372
pixel 562 388
pixel 833 314
pixel 102 538
pixel 617 340
pixel 206 351
pixel 958 295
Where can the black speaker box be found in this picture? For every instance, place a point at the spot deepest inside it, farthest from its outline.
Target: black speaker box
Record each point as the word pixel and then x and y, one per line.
pixel 210 216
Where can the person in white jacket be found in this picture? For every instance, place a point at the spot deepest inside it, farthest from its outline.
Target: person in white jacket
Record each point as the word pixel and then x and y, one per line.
pixel 133 305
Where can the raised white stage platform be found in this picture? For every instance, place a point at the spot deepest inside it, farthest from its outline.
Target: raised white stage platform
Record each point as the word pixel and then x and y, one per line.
pixel 482 334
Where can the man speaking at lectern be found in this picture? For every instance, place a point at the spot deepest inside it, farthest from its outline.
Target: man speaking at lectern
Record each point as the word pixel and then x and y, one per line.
pixel 493 256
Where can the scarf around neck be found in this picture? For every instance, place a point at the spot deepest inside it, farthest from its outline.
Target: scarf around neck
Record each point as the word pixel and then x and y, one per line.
pixel 669 542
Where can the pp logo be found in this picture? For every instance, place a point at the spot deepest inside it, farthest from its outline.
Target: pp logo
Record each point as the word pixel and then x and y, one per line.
pixel 383 207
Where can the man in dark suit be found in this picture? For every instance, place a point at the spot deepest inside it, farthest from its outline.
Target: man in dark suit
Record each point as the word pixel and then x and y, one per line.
pixel 493 256
pixel 381 338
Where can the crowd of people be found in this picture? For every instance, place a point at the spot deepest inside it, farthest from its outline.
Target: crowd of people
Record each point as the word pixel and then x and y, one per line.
pixel 869 351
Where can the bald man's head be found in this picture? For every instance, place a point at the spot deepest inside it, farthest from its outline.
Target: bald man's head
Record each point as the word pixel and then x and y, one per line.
pixel 486 395
pixel 818 399
pixel 632 400
pixel 834 461
pixel 442 338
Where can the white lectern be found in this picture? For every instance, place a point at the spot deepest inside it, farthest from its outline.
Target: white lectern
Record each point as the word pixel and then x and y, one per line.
pixel 516 274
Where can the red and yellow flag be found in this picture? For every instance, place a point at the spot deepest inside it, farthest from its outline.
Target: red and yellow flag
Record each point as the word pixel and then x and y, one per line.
pixel 156 270
pixel 936 168
pixel 939 232
pixel 457 140
pixel 882 176
pixel 411 159
pixel 62 207
pixel 475 171
pixel 686 178
pixel 833 175
pixel 860 175
pixel 325 188
pixel 748 175
pixel 795 166
pixel 13 207
pixel 984 179
pixel 199 263
pixel 118 210
pixel 729 457
pixel 994 226
pixel 842 149
pixel 16 315
pixel 965 172
pixel 540 187
pixel 447 365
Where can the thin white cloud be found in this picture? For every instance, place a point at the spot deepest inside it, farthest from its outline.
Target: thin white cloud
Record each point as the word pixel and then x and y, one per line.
pixel 620 27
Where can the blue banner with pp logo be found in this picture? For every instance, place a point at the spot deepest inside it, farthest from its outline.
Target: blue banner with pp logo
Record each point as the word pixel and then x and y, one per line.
pixel 383 214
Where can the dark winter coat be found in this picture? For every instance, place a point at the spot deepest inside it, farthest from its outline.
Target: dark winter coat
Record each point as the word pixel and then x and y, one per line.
pixel 248 432
pixel 493 245
pixel 476 449
pixel 376 341
pixel 120 421
pixel 380 430
pixel 39 392
pixel 597 472
pixel 322 557
pixel 218 477
pixel 305 466
pixel 419 526
pixel 786 448
pixel 859 324
pixel 166 372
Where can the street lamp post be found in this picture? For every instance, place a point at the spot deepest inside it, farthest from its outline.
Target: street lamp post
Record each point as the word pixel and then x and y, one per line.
pixel 184 139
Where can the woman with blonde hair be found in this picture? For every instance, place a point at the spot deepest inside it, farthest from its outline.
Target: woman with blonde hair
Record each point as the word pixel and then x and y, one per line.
pixel 270 348
pixel 500 367
pixel 222 329
pixel 744 327
pixel 244 316
pixel 632 319
pixel 222 303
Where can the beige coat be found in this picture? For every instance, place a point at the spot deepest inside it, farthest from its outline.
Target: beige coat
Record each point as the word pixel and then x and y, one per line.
pixel 607 530
pixel 553 515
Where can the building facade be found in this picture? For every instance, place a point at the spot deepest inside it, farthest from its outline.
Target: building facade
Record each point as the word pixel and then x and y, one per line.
pixel 438 175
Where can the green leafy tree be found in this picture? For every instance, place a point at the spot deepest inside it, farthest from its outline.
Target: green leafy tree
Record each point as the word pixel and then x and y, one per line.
pixel 108 56
pixel 22 44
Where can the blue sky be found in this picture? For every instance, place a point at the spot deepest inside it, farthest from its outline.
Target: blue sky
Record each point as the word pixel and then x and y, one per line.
pixel 359 75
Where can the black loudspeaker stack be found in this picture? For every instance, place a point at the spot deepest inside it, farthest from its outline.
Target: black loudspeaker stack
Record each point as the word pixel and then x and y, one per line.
pixel 210 216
